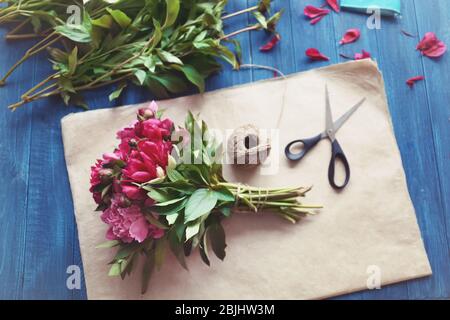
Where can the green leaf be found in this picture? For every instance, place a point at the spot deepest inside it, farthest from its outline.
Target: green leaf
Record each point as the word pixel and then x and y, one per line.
pixel 105 21
pixel 157 35
pixel 192 229
pixel 36 23
pixel 168 57
pixel 174 175
pixel 108 244
pixel 217 237
pixel 150 63
pixel 179 228
pixel 182 186
pixel 126 250
pixel 120 17
pixel 170 209
pixel 172 218
pixel 158 195
pixel 171 82
pixel 116 93
pixel 157 88
pixel 260 18
pixel 226 211
pixel 172 10
pixel 160 252
pixel 72 60
pixel 140 75
pixel 224 194
pixel 155 222
pixel 201 202
pixel 204 248
pixel 78 33
pixel 193 76
pixel 273 20
pixel 115 270
pixel 169 202
pixel 177 249
pixel 124 264
pixel 147 270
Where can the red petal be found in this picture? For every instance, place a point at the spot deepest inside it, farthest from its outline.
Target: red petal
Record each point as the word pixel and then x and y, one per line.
pixel 411 81
pixel 315 55
pixel 314 12
pixel 431 46
pixel 350 36
pixel 428 41
pixel 334 4
pixel 271 44
pixel 316 20
pixel 363 55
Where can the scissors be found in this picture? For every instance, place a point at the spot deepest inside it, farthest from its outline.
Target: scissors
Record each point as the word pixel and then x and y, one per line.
pixel 330 131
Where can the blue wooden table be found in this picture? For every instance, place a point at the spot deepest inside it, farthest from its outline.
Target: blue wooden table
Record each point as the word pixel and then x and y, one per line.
pixel 38 238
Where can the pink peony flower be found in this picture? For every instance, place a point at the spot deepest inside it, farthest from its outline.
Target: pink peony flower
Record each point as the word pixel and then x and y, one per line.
pixel 99 174
pixel 128 223
pixel 150 150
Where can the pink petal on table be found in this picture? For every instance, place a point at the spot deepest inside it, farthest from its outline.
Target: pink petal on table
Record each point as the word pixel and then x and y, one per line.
pixel 271 44
pixel 316 20
pixel 350 36
pixel 431 46
pixel 315 55
pixel 314 12
pixel 412 81
pixel 363 55
pixel 334 4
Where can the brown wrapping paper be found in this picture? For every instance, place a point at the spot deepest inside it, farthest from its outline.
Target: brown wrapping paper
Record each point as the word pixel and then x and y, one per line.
pixel 364 233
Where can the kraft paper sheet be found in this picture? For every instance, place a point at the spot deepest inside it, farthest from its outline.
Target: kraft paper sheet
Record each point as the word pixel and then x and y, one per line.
pixel 369 227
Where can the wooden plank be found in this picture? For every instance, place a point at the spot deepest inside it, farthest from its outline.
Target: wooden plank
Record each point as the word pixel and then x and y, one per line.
pixel 50 219
pixel 15 132
pixel 437 227
pixel 42 226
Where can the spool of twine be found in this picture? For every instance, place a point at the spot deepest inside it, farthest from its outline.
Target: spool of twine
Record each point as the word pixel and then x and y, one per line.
pixel 246 147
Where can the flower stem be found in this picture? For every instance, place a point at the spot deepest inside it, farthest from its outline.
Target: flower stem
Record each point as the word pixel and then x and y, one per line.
pixel 283 201
pixel 40 84
pixel 239 12
pixel 235 33
pixel 32 51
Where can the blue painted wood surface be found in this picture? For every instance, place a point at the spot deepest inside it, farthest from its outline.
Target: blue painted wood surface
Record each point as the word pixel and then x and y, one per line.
pixel 38 238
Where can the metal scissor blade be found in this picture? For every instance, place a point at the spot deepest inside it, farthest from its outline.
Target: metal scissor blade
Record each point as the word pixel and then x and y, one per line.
pixel 343 119
pixel 329 125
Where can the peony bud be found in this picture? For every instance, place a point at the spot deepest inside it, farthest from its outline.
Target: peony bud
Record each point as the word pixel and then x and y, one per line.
pixel 171 162
pixel 160 172
pixel 105 174
pixel 146 113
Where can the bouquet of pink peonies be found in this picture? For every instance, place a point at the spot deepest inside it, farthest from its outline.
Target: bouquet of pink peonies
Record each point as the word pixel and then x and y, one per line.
pixel 163 187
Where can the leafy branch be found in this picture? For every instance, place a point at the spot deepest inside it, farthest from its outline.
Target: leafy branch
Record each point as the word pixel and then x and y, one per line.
pixel 163 45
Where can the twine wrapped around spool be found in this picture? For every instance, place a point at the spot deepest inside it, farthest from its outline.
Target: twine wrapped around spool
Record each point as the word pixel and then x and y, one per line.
pixel 246 146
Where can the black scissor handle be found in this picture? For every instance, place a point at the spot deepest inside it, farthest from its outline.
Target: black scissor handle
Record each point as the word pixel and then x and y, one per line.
pixel 338 155
pixel 307 145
